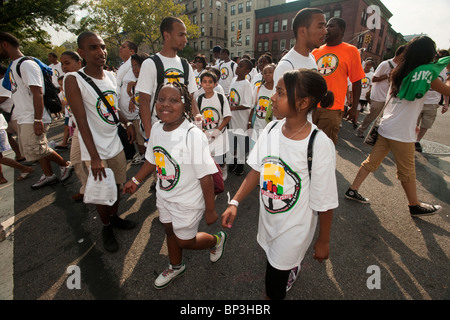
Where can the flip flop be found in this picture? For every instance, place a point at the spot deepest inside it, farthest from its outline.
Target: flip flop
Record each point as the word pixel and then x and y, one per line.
pixel 24 175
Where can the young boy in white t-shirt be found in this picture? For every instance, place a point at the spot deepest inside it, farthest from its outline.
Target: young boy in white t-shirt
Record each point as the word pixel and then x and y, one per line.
pixel 241 102
pixel 216 115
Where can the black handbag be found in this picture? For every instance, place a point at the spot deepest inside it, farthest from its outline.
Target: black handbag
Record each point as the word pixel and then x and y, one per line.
pixel 128 147
pixel 372 136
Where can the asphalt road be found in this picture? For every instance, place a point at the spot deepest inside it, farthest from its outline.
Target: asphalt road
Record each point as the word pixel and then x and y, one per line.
pixel 380 244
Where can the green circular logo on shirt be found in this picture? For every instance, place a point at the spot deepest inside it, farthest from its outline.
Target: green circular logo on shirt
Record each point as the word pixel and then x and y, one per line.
pixel 327 64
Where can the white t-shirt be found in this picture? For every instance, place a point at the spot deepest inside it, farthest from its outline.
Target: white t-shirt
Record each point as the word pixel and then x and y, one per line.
pixel 57 72
pixel 218 88
pixel 257 80
pixel 182 158
pixel 400 118
pixel 366 84
pixel 227 73
pixel 148 77
pixel 100 120
pixel 289 199
pixel 20 90
pixel 291 61
pixel 251 75
pixel 240 95
pixel 262 95
pixel 197 75
pixel 211 110
pixel 7 105
pixel 434 97
pixel 124 76
pixel 380 89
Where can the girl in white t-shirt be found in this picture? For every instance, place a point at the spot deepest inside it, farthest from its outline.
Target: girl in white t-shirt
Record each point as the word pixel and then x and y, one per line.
pixel 179 153
pixel 257 118
pixel 291 197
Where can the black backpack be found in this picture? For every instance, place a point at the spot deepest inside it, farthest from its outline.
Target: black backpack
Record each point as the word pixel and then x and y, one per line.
pixel 219 95
pixel 51 99
pixel 160 75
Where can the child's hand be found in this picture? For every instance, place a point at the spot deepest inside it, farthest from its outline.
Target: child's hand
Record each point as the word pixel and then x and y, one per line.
pixel 211 217
pixel 129 187
pixel 321 250
pixel 228 216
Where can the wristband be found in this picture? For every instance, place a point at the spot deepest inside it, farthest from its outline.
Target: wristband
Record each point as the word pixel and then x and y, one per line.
pixel 135 181
pixel 233 203
pixel 129 123
pixel 37 120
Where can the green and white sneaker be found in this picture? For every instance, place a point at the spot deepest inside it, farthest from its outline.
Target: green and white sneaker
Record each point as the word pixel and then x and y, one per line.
pixel 217 251
pixel 166 277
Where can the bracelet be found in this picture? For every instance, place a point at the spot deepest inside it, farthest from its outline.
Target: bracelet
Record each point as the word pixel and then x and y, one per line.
pixel 135 181
pixel 233 203
pixel 129 123
pixel 37 120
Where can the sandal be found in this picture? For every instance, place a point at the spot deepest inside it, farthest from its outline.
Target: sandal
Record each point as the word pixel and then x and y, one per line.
pixel 24 175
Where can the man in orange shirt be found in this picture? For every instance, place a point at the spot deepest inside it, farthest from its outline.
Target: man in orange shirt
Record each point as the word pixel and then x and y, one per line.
pixel 337 61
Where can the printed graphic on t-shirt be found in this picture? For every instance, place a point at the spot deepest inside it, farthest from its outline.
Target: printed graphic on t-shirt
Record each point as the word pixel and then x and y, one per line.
pixel 281 186
pixel 224 73
pixel 365 83
pixel 56 73
pixel 13 83
pixel 261 109
pixel 211 118
pixel 235 98
pixel 258 83
pixel 167 169
pixel 327 64
pixel 174 74
pixel 103 111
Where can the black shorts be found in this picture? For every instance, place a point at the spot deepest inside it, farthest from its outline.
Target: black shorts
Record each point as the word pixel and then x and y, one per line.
pixel 276 281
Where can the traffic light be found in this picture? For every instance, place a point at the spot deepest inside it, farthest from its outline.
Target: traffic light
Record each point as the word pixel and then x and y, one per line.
pixel 367 38
pixel 238 36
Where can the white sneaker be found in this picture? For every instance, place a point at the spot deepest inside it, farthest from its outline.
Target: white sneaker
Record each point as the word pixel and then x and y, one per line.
pixel 217 251
pixel 66 172
pixel 292 277
pixel 45 181
pixel 140 158
pixel 166 277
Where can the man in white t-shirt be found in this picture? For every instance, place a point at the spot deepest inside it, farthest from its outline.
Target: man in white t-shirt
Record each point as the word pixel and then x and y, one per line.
pixel 173 32
pixel 100 144
pixel 216 56
pixel 309 31
pixel 380 88
pixel 33 119
pixel 227 71
pixel 56 67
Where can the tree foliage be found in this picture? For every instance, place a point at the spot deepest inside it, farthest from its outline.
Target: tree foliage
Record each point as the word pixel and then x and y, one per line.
pixel 139 20
pixel 25 18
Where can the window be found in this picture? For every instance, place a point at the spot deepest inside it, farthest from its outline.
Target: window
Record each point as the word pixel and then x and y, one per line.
pixel 194 19
pixel 364 18
pixel 247 40
pixel 195 45
pixel 211 31
pixel 292 43
pixel 226 8
pixel 194 5
pixel 247 23
pixel 232 42
pixel 240 24
pixel 202 45
pixel 259 46
pixel 337 13
pixel 267 27
pixel 276 26
pixel 210 44
pixel 248 6
pixel 274 45
pixel 202 31
pixel 232 26
pixel 381 30
pixel 211 17
pixel 284 25
pixel 202 17
pixel 282 44
pixel 202 4
pixel 233 9
pixel 260 28
pixel 225 20
pixel 327 15
pixel 225 34
pixel 377 52
pixel 240 7
pixel 210 3
pixel 266 46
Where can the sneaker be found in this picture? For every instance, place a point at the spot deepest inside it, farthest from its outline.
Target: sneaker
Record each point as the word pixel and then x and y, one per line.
pixel 292 277
pixel 239 171
pixel 418 147
pixel 424 209
pixel 66 172
pixel 217 251
pixel 109 240
pixel 224 172
pixel 359 134
pixel 140 158
pixel 117 222
pixel 45 181
pixel 354 195
pixel 166 277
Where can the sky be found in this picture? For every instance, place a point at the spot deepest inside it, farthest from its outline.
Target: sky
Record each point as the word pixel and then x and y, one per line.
pixel 430 17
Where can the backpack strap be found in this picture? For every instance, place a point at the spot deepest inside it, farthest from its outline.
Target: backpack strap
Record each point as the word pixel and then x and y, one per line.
pixel 289 62
pixel 222 101
pixel 185 64
pixel 310 150
pixel 200 100
pixel 20 63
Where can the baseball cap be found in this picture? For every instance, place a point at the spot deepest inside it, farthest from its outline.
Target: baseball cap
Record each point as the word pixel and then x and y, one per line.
pixel 216 49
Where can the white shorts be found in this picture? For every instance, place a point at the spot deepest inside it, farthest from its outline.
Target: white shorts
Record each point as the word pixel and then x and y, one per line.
pixel 184 220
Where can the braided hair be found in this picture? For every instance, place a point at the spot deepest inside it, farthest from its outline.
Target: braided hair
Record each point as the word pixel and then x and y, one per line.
pixel 185 98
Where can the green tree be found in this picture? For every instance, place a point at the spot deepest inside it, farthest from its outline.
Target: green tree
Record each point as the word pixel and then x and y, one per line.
pixel 139 20
pixel 25 18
